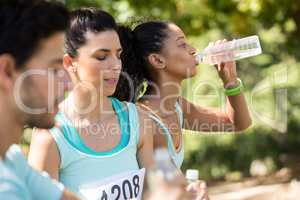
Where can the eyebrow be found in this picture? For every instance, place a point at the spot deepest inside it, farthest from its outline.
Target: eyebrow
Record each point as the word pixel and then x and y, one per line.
pixel 179 38
pixel 107 50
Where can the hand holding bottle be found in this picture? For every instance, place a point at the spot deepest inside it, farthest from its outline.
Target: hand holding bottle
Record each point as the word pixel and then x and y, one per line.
pixel 223 53
pixel 200 190
pixel 197 187
pixel 226 70
pixel 165 180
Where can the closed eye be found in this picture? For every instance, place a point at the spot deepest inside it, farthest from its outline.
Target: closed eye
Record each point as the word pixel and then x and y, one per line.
pixel 184 45
pixel 101 58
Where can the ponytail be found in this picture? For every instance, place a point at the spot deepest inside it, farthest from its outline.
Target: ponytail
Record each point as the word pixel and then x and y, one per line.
pixel 134 72
pixel 137 45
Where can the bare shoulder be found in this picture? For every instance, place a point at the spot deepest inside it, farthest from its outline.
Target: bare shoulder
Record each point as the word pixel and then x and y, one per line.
pixel 147 127
pixel 43 150
pixel 42 137
pixel 43 144
pixel 144 119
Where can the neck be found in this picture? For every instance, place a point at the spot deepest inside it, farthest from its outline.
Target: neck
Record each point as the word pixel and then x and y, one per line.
pixel 10 128
pixel 84 105
pixel 169 89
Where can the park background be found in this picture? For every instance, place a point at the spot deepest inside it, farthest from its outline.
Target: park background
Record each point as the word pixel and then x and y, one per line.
pixel 268 152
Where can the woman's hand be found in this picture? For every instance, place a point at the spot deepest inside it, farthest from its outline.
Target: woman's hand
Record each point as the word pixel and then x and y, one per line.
pixel 199 188
pixel 226 70
pixel 170 190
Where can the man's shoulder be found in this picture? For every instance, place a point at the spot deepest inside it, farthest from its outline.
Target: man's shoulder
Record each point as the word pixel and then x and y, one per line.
pixel 11 186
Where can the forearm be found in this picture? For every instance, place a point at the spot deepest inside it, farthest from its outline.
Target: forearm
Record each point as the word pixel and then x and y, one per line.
pixel 67 195
pixel 238 113
pixel 42 186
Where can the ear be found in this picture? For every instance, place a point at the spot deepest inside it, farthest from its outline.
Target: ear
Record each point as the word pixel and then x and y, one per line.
pixel 7 70
pixel 67 62
pixel 71 68
pixel 157 61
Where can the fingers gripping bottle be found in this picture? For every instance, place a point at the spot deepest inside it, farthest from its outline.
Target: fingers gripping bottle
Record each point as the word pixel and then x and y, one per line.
pixel 192 176
pixel 164 169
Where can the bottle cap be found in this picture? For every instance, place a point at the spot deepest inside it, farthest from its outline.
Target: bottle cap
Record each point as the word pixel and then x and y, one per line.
pixel 200 57
pixel 192 174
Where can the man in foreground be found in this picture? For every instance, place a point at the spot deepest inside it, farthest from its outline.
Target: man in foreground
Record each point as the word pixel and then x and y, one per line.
pixel 31 40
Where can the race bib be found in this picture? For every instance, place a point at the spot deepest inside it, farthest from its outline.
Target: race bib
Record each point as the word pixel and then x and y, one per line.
pixel 120 187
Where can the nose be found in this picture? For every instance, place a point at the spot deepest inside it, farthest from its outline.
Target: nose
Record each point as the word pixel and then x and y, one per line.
pixel 193 51
pixel 116 64
pixel 116 67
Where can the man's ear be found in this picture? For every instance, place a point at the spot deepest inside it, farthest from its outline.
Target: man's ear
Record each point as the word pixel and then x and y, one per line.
pixel 157 61
pixel 7 71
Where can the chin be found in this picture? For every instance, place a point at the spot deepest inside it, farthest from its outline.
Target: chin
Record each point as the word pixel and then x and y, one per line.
pixel 191 72
pixel 109 92
pixel 44 121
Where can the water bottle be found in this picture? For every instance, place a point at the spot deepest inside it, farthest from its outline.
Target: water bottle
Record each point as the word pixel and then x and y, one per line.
pixel 164 164
pixel 192 175
pixel 230 51
pixel 164 168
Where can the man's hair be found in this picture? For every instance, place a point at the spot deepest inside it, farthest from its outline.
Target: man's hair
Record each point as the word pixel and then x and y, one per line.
pixel 25 23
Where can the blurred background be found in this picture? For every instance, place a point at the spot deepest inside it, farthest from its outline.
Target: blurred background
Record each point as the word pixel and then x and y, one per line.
pixel 265 158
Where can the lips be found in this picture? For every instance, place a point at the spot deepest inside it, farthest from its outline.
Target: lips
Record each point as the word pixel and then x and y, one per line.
pixel 196 61
pixel 111 81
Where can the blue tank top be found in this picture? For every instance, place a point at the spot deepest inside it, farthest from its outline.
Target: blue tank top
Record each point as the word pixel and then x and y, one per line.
pixel 81 166
pixel 177 157
pixel 73 137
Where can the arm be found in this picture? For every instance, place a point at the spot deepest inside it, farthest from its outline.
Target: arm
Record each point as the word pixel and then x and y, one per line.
pixel 43 187
pixel 164 190
pixel 235 118
pixel 38 184
pixel 44 156
pixel 11 196
pixel 145 152
pixel 43 153
pixel 11 189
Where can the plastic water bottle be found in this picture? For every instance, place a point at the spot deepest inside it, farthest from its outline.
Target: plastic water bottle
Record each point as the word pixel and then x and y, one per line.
pixel 230 51
pixel 164 164
pixel 192 175
pixel 164 169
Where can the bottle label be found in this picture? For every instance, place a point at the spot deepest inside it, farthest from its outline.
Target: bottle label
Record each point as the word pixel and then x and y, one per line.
pixel 119 187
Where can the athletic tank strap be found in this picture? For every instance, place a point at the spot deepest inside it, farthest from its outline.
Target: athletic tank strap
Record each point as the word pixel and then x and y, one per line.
pixel 72 135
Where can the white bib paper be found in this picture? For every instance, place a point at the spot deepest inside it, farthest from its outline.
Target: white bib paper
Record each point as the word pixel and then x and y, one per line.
pixel 123 186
